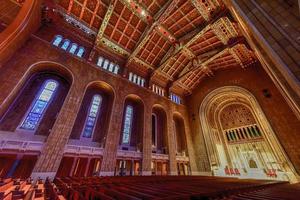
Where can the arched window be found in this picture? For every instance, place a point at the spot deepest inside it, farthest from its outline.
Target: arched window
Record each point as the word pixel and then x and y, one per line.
pixel 80 52
pixel 73 48
pixel 111 67
pixel 66 44
pixel 127 124
pixel 39 106
pixel 143 82
pixel 138 81
pixel 134 78
pixel 57 40
pixel 92 117
pixel 116 70
pixel 100 61
pixel 105 64
pixel 130 76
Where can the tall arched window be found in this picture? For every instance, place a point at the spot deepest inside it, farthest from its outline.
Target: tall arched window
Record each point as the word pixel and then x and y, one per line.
pixel 57 40
pixel 66 44
pixel 80 52
pixel 127 124
pixel 73 48
pixel 39 106
pixel 91 119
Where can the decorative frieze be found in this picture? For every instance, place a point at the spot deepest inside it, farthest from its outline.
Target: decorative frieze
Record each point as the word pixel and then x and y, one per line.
pixel 104 23
pixel 114 47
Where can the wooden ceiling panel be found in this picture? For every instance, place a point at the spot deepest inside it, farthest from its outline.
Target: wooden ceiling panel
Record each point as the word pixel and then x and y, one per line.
pixel 184 19
pixel 124 27
pixel 153 6
pixel 64 4
pixel 157 46
pixel 76 9
pixel 87 16
pixel 91 4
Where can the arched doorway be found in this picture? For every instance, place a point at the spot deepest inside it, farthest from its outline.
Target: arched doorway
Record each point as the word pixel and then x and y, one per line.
pixel 239 139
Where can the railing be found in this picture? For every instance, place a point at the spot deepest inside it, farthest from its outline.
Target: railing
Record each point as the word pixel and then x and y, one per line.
pixel 86 150
pixel 21 146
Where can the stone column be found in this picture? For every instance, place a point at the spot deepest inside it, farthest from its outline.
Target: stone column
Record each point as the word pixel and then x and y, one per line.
pixel 171 143
pixel 147 142
pixel 52 153
pixel 112 138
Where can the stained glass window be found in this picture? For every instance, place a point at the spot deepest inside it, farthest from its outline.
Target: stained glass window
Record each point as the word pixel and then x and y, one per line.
pixel 40 104
pixel 80 52
pixel 73 48
pixel 127 124
pixel 65 44
pixel 92 116
pixel 57 40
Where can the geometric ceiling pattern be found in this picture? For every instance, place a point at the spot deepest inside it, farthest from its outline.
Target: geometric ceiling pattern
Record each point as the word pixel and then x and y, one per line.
pixel 176 43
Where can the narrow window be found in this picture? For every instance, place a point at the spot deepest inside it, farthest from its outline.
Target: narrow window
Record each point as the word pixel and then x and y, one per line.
pixel 111 67
pixel 57 40
pixel 73 48
pixel 138 81
pixel 65 44
pixel 134 78
pixel 130 76
pixel 80 52
pixel 127 124
pixel 39 106
pixel 116 70
pixel 100 61
pixel 91 119
pixel 105 65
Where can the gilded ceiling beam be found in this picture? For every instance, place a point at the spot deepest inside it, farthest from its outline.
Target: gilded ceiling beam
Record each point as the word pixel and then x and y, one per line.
pixel 202 66
pixel 141 62
pixel 181 46
pixel 204 8
pixel 114 47
pixel 137 9
pixel 105 21
pixel 158 18
pixel 224 30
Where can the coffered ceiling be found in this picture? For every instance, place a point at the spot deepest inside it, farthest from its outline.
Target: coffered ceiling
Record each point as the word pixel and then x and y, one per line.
pixel 174 42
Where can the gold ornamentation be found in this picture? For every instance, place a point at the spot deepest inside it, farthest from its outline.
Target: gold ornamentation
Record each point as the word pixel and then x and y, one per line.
pixel 224 29
pixel 104 23
pixel 114 47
